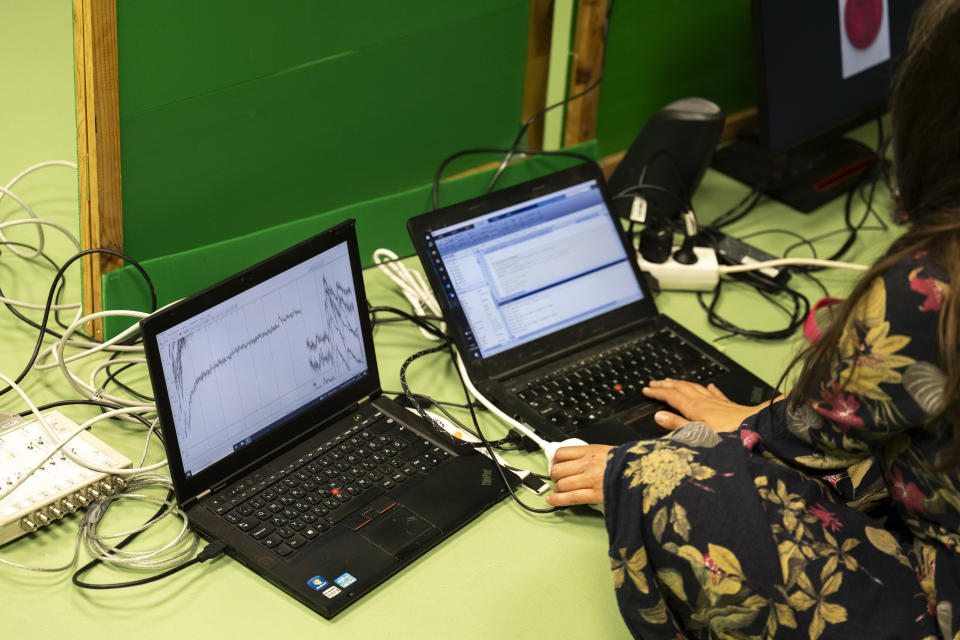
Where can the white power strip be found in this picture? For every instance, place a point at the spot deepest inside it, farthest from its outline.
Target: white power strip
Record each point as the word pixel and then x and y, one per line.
pixel 59 486
pixel 702 275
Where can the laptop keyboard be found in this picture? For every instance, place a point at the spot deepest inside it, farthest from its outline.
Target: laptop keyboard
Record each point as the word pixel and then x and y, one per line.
pixel 606 383
pixel 343 480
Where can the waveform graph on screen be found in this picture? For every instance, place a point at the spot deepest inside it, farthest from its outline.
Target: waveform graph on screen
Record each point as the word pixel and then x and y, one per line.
pixel 236 351
pixel 264 354
pixel 239 361
pixel 337 349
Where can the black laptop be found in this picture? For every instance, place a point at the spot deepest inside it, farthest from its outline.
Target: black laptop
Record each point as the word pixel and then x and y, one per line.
pixel 279 441
pixel 540 289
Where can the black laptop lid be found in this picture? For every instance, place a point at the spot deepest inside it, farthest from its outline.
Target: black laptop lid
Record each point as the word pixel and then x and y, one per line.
pixel 533 270
pixel 258 361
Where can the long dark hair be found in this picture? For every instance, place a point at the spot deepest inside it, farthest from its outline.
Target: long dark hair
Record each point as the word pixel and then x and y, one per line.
pixel 926 142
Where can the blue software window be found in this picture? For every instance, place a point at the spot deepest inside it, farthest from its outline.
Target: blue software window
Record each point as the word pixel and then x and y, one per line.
pixel 523 272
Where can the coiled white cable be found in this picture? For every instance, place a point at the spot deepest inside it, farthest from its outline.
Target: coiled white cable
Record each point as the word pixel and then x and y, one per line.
pixel 5 191
pixel 91 391
pixel 39 222
pixel 413 286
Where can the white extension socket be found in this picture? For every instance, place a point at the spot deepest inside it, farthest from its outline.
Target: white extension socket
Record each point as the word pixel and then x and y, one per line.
pixel 60 486
pixel 703 275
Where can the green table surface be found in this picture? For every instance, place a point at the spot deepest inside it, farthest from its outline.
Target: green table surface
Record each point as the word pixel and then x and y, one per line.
pixel 509 573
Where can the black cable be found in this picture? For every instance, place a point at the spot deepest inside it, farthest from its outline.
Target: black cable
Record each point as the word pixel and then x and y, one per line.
pixel 731 215
pixel 826 292
pixel 540 114
pixel 112 377
pixel 430 400
pixel 212 550
pixel 24 318
pixel 797 315
pixel 395 320
pixel 92 403
pixel 512 437
pixel 417 320
pixel 685 204
pixel 873 171
pixel 466 393
pixel 50 295
pixel 492 454
pixel 466 152
pixel 802 240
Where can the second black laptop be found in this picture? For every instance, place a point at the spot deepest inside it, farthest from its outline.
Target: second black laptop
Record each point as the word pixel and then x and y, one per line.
pixel 541 291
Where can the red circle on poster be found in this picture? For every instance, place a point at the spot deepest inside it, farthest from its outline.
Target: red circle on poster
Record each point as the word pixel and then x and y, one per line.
pixel 862 20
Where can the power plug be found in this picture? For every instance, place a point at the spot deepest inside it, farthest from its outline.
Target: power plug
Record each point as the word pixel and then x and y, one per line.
pixel 702 275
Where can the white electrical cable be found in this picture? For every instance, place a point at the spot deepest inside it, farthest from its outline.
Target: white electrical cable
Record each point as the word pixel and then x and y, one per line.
pixel 418 293
pixel 60 443
pixel 109 363
pixel 40 165
pixel 549 448
pixel 40 237
pixel 146 445
pixel 66 567
pixel 5 191
pixel 38 222
pixel 495 410
pixel 92 392
pixel 89 423
pixel 413 286
pixel 784 262
pixel 170 554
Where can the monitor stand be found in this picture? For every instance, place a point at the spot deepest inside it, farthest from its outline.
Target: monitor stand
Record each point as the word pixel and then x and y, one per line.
pixel 803 179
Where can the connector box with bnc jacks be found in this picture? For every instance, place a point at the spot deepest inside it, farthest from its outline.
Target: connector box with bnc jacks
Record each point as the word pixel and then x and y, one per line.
pixel 40 484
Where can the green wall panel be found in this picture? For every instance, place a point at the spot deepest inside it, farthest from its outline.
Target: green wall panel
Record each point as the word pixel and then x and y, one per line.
pixel 381 222
pixel 658 52
pixel 236 120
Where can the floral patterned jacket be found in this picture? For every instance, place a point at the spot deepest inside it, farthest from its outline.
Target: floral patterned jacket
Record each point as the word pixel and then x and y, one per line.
pixel 830 519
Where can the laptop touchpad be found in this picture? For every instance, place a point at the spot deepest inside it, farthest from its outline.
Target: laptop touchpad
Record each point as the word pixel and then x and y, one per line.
pixel 400 532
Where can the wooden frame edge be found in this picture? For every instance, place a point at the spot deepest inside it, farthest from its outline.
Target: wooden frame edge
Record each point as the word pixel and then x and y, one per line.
pixel 537 69
pixel 98 145
pixel 580 124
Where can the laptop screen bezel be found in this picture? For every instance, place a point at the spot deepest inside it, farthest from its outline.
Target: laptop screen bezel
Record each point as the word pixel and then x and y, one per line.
pixel 569 339
pixel 300 426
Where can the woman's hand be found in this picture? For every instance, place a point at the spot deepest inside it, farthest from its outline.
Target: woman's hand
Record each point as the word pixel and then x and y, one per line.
pixel 578 475
pixel 693 401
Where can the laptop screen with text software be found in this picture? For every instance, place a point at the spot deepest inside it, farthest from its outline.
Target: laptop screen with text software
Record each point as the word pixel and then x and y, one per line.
pixel 534 268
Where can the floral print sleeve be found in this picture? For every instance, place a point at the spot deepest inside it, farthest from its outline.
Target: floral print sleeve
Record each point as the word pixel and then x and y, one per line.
pixel 882 386
pixel 774 530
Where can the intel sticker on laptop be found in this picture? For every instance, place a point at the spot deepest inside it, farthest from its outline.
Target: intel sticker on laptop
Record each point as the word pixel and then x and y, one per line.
pixel 316 583
pixel 345 580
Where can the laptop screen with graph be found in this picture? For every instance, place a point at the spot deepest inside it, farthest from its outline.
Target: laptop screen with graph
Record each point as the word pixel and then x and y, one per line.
pixel 280 442
pixel 257 360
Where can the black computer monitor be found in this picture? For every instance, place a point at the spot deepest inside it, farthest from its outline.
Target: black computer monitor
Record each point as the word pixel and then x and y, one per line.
pixel 822 68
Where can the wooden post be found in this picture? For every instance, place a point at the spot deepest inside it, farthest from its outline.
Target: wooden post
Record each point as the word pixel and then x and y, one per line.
pixel 537 68
pixel 98 144
pixel 581 121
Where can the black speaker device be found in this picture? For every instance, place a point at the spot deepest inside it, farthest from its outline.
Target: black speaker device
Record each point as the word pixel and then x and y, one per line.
pixel 671 154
